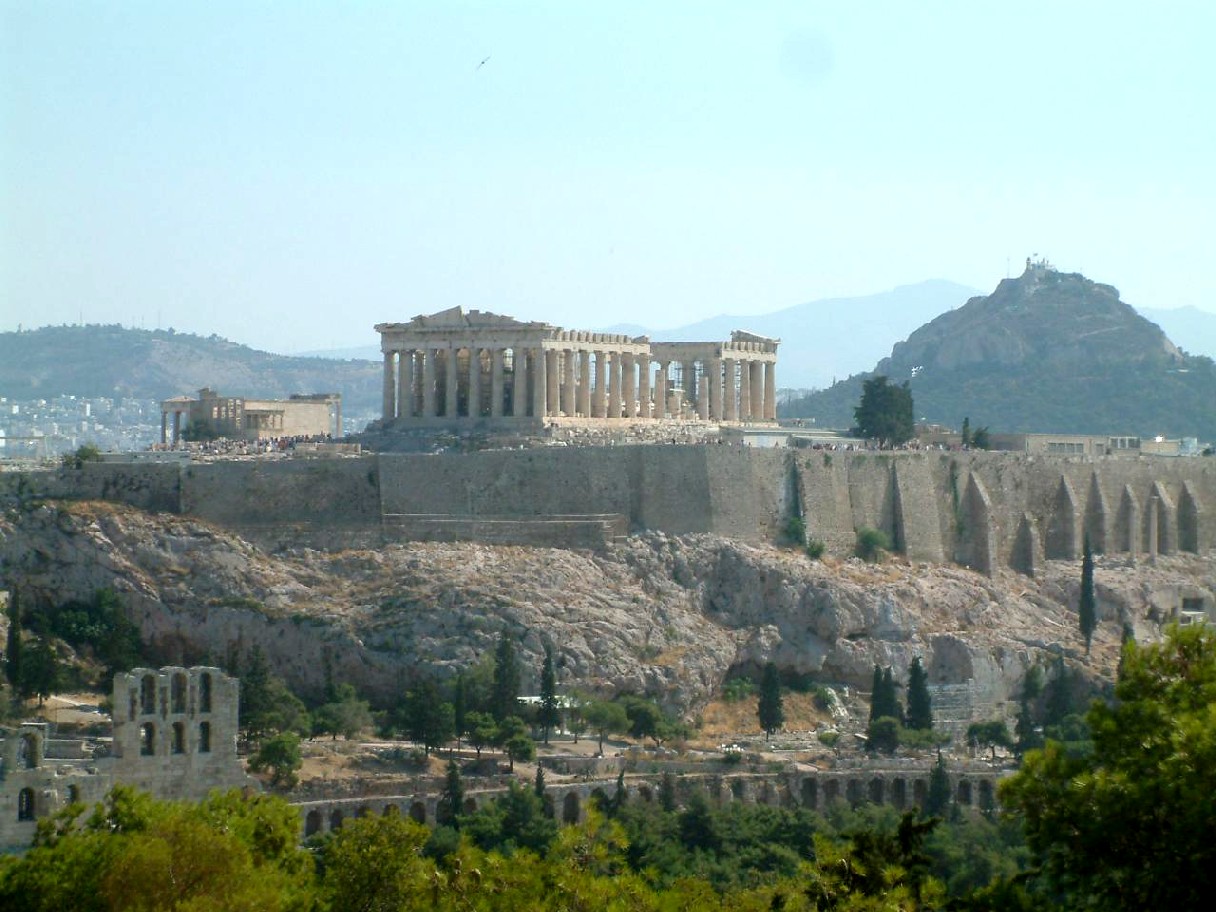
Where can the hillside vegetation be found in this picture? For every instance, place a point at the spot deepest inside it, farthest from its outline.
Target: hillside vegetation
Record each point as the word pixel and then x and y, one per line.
pixel 112 361
pixel 1045 352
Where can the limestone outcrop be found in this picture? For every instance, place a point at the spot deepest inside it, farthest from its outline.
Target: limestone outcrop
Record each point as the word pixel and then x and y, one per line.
pixel 658 613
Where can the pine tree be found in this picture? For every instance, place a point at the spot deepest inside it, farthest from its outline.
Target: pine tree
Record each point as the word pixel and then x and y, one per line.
pixel 40 673
pixel 459 709
pixel 1026 734
pixel 771 710
pixel 920 705
pixel 505 693
pixel 550 716
pixel 1087 610
pixel 538 784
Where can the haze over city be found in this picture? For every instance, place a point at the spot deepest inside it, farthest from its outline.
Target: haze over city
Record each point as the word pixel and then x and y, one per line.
pixel 287 176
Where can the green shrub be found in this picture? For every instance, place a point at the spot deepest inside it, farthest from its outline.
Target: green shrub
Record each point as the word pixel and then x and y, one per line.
pixel 815 548
pixel 737 689
pixel 795 530
pixel 871 543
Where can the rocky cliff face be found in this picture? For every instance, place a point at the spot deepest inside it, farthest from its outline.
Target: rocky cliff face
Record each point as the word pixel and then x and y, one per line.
pixel 663 614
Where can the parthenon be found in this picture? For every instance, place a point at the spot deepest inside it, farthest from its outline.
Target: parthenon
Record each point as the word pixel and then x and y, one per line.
pixel 455 366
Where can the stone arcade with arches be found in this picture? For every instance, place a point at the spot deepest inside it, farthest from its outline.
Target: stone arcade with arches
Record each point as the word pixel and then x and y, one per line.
pixel 174 736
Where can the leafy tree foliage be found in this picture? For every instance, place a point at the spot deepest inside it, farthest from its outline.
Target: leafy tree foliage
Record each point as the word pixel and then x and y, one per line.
pixel 1087 614
pixel 425 717
pixel 516 820
pixel 991 734
pixel 920 704
pixel 100 625
pixel 482 730
pixel 451 803
pixel 40 673
pixel 513 737
pixel 938 799
pixel 871 543
pixel 266 705
pixel 345 715
pixel 883 735
pixel 770 708
pixel 605 718
pixel 885 412
pixel 13 645
pixel 1129 825
pixel 280 755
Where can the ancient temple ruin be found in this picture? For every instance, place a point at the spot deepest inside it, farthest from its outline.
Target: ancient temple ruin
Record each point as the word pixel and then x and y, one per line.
pixel 482 368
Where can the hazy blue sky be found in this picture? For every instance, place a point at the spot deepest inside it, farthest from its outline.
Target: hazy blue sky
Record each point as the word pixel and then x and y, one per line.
pixel 288 174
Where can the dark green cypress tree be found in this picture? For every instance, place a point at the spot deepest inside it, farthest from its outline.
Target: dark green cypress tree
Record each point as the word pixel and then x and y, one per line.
pixel 451 802
pixel 459 709
pixel 505 694
pixel 920 704
pixel 550 716
pixel 889 698
pixel 876 695
pixel 12 648
pixel 1087 610
pixel 771 709
pixel 937 801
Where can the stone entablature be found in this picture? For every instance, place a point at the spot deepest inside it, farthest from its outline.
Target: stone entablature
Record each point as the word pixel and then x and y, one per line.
pixel 454 367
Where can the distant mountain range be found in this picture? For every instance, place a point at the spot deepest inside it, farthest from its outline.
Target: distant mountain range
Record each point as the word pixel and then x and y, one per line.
pixel 1047 351
pixel 111 361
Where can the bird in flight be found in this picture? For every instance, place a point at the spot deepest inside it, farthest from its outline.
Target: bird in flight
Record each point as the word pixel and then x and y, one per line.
pixel 483 62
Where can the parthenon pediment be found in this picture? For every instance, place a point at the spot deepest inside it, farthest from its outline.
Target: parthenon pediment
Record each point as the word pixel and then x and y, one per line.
pixel 475 319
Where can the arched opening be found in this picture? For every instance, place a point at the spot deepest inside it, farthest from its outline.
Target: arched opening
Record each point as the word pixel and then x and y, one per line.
pixel 599 798
pixel 364 811
pixel 738 789
pixel 73 794
pixel 831 791
pixel 810 793
pixel 853 791
pixel 335 820
pixel 204 693
pixel 312 823
pixel 964 792
pixel 987 799
pixel 645 793
pixel 27 752
pixel 147 739
pixel 570 808
pixel 147 694
pixel 204 737
pixel 418 812
pixel 877 790
pixel 899 793
pixel 920 792
pixel 25 804
pixel 470 805
pixel 179 737
pixel 391 810
pixel 177 691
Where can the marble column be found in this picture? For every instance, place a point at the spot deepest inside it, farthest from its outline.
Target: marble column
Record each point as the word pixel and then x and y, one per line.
pixel 730 392
pixel 745 391
pixel 540 384
pixel 616 377
pixel 428 382
pixel 519 383
pixel 770 391
pixel 450 384
pixel 569 388
pixel 496 383
pixel 703 399
pixel 474 383
pixel 630 391
pixel 405 385
pixel 164 428
pixel 714 371
pixel 552 404
pixel 689 382
pixel 660 390
pixel 584 384
pixel 388 412
pixel 644 387
pixel 757 371
pixel 599 404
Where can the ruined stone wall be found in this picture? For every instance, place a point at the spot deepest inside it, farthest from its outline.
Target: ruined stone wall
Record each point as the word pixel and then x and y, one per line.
pixel 983 510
